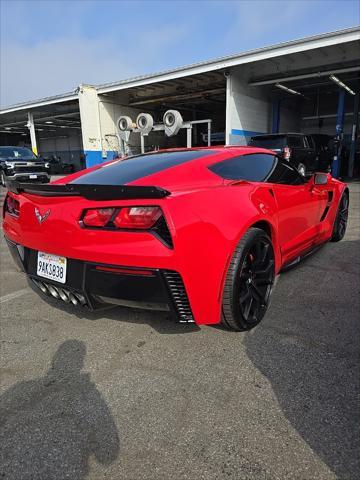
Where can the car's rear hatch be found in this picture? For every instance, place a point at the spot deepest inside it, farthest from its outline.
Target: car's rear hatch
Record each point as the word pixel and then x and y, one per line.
pixel 53 224
pixel 51 216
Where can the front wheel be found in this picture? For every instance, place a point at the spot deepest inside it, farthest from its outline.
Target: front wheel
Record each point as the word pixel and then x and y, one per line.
pixel 249 281
pixel 341 219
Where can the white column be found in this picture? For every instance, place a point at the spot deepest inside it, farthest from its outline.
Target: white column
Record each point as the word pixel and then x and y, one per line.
pixel 90 124
pixel 31 128
pixel 228 109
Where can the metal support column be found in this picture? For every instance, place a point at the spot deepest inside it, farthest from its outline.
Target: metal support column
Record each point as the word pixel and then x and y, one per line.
pixel 276 116
pixel 142 140
pixel 354 130
pixel 339 133
pixel 188 136
pixel 31 127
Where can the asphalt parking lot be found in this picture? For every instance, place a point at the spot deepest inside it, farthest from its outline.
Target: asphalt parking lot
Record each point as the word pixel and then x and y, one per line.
pixel 130 395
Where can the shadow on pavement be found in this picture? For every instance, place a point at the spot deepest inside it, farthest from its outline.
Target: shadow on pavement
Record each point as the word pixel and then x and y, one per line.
pixel 308 348
pixel 51 426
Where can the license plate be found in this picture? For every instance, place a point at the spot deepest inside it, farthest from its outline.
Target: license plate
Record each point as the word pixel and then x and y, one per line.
pixel 33 176
pixel 52 267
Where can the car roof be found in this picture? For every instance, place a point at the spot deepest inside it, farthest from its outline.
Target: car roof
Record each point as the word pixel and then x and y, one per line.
pixel 145 170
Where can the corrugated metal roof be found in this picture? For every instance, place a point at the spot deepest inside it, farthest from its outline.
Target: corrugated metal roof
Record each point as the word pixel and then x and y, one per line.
pixel 224 60
pixel 349 34
pixel 62 97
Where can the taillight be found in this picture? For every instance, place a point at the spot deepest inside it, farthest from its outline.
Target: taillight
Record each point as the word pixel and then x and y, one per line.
pixel 128 218
pixel 97 217
pixel 137 217
pixel 287 153
pixel 141 217
pixel 12 206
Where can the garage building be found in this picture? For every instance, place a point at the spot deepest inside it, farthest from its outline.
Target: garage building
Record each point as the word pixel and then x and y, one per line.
pixel 309 85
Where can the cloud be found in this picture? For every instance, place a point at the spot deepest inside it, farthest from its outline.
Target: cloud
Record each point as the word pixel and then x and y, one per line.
pixel 50 47
pixel 265 22
pixel 31 71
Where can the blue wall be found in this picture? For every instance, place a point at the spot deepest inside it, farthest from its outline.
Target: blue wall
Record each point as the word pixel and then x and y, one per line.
pixel 94 157
pixel 241 137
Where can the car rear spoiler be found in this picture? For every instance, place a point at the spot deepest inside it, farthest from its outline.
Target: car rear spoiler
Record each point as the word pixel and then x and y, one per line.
pixel 91 192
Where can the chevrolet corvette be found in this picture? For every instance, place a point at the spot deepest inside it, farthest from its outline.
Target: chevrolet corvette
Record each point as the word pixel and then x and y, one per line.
pixel 200 232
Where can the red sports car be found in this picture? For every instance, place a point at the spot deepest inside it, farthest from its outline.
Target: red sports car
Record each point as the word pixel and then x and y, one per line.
pixel 201 232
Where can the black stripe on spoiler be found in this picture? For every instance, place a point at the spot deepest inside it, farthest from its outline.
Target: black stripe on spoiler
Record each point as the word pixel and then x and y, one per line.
pixel 91 192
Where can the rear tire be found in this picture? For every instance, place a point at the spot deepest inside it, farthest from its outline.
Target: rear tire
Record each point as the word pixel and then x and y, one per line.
pixel 249 281
pixel 341 219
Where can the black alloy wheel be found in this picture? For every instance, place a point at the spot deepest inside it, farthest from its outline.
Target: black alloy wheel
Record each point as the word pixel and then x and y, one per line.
pixel 249 281
pixel 341 219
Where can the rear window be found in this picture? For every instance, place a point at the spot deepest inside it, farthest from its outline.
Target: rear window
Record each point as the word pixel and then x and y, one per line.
pixel 132 168
pixel 272 143
pixel 254 167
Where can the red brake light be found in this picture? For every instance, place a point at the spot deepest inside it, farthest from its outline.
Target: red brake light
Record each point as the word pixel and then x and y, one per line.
pixel 125 271
pixel 12 206
pixel 137 217
pixel 97 217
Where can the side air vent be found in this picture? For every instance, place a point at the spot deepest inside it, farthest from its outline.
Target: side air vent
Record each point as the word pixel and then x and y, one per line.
pixel 162 231
pixel 179 296
pixel 330 195
pixel 323 216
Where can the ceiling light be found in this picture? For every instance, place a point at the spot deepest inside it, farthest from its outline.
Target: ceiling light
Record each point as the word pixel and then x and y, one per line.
pixel 7 128
pixel 40 129
pixel 63 126
pixel 288 90
pixel 24 134
pixel 49 121
pixel 341 84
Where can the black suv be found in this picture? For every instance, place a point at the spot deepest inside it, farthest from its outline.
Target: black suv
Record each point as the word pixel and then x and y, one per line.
pixel 297 148
pixel 20 163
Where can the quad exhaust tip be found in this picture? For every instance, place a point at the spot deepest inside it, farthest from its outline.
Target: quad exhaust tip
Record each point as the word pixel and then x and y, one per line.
pixel 73 299
pixel 63 295
pixel 60 293
pixel 54 291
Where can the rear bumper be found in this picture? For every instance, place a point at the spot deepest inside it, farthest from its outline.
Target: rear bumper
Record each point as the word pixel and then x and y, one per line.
pixel 96 285
pixel 25 177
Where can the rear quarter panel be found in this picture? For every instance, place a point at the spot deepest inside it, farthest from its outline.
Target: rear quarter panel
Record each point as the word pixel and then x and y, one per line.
pixel 326 227
pixel 208 225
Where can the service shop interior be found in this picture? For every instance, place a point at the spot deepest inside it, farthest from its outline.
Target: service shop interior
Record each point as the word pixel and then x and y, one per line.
pixel 154 384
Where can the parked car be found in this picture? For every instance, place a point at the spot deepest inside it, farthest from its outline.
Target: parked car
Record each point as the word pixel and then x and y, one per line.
pixel 59 167
pixel 297 148
pixel 200 232
pixel 325 150
pixel 21 164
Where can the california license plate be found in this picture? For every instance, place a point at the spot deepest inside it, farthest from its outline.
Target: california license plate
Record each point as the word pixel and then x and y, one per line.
pixel 52 267
pixel 33 177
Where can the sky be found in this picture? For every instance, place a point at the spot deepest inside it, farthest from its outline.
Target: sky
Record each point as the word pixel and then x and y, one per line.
pixel 49 47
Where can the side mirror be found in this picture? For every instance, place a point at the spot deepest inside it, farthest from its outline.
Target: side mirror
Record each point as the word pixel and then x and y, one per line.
pixel 320 178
